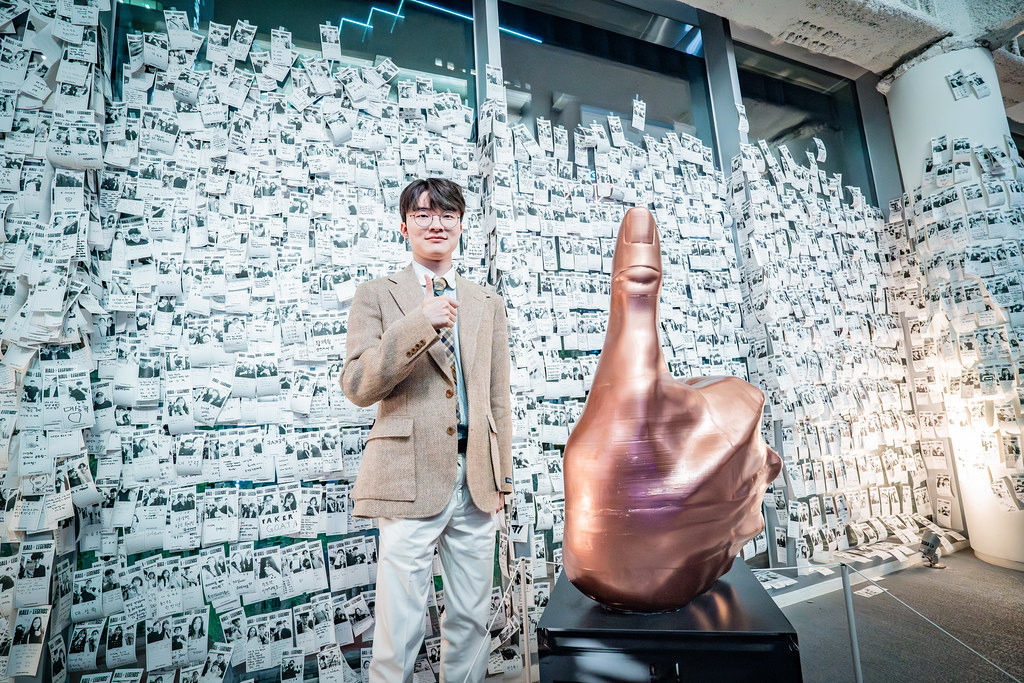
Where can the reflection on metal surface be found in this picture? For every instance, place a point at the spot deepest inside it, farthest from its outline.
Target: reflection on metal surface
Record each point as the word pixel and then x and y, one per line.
pixel 663 478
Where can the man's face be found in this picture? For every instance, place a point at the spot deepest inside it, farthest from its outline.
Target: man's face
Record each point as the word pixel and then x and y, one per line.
pixel 434 242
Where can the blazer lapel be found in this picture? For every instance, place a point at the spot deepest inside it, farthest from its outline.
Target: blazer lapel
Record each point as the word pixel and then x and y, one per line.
pixel 408 294
pixel 471 308
pixel 406 291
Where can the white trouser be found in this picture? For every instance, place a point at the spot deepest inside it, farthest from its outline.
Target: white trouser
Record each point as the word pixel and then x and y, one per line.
pixel 465 538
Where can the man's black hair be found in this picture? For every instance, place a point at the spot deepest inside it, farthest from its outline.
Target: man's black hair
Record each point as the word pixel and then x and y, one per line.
pixel 444 195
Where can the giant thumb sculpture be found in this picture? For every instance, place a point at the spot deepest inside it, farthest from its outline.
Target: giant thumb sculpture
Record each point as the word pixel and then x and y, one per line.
pixel 663 478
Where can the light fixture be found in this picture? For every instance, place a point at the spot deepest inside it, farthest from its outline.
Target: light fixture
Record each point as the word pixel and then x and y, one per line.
pixel 930 549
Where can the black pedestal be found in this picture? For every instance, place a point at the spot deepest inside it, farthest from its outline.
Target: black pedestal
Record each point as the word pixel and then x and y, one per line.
pixel 733 632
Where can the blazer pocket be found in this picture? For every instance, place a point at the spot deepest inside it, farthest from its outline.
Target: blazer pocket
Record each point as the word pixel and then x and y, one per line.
pixel 495 454
pixel 388 469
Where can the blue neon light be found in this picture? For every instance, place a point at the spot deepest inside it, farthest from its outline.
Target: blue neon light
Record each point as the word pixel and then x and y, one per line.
pixel 452 12
pixel 520 35
pixel 353 21
pixel 384 11
pixel 469 18
pixel 368 24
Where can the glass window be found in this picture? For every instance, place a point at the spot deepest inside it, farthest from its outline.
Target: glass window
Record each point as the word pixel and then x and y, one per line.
pixel 434 39
pixel 577 63
pixel 790 104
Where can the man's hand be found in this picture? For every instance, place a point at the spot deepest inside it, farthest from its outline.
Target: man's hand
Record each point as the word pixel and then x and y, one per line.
pixel 440 310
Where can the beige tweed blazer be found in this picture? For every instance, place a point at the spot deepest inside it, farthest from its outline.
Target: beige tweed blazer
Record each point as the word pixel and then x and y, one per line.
pixel 395 358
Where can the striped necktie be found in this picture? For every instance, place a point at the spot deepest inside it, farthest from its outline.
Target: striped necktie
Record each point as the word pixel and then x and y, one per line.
pixel 447 335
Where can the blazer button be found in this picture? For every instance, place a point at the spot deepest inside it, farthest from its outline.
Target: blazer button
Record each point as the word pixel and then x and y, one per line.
pixel 408 354
pixel 450 430
pixel 449 393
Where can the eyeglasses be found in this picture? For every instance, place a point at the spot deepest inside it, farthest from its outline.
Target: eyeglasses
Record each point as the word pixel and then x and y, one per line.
pixel 448 219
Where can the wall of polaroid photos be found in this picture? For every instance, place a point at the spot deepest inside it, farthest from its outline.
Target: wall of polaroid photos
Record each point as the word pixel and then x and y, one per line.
pixel 828 347
pixel 174 286
pixel 175 275
pixel 54 88
pixel 958 239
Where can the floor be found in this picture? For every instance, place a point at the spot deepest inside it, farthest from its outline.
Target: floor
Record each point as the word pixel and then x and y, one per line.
pixel 979 603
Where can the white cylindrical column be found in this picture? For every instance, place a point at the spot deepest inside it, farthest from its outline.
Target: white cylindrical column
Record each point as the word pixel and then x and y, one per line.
pixel 922 107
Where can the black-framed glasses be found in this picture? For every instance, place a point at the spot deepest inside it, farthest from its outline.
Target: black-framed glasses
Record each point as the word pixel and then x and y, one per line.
pixel 448 219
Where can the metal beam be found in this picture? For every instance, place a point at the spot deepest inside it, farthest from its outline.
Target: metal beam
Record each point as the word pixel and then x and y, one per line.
pixel 723 86
pixel 670 9
pixel 881 150
pixel 486 42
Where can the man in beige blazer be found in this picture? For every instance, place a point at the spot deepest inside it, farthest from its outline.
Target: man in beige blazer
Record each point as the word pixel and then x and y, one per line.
pixel 431 348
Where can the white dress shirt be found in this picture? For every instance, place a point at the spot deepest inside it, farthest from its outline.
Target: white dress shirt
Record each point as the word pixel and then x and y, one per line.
pixel 453 293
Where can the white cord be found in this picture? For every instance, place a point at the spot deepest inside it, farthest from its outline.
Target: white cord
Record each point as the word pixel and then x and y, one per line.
pixel 486 641
pixel 885 590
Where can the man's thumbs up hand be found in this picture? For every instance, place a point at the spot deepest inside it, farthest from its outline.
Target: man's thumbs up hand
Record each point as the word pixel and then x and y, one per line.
pixel 440 310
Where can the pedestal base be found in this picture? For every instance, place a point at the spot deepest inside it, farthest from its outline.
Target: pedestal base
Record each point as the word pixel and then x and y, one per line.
pixel 733 632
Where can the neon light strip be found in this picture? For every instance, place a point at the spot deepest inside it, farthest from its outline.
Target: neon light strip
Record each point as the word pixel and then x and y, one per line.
pixel 519 35
pixel 469 18
pixel 443 9
pixel 401 3
pixel 368 24
pixel 353 21
pixel 384 11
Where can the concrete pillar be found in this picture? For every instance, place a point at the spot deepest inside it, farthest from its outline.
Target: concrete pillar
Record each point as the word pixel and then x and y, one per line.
pixel 922 107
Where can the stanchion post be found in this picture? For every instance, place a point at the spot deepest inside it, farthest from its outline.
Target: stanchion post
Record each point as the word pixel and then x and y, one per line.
pixel 858 675
pixel 527 663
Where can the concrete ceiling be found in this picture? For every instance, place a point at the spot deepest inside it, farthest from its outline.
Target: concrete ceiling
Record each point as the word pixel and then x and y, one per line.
pixel 1010 69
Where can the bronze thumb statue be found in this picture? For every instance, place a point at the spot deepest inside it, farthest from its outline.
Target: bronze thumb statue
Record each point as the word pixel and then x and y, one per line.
pixel 663 478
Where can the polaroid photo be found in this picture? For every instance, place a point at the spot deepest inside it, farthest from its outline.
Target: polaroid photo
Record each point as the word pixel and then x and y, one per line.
pixel 58 659
pixel 240 41
pixel 84 645
pixel 358 613
pixel 220 516
pixel 155 47
pixel 267 563
pixel 120 641
pixel 241 567
pixel 330 42
pixel 28 631
pixel 218 659
pixel 331 664
pixel 35 562
pixel 217 586
pixel 86 602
